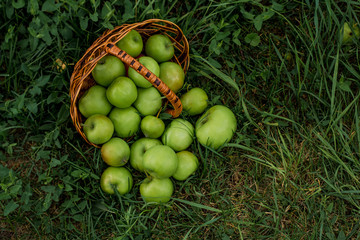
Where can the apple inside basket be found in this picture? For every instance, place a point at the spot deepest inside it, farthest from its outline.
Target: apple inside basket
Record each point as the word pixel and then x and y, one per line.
pixel 109 46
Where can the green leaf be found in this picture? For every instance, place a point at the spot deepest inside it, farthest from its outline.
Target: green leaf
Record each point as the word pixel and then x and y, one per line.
pixel 246 14
pixel 19 101
pixel 94 17
pixel 47 202
pixel 67 33
pixel 253 39
pixel 35 91
pixel 95 3
pixel 345 86
pixel 258 21
pixel 49 6
pixel 236 37
pixel 9 11
pixel 107 24
pixel 277 6
pixel 84 23
pixel 43 154
pixel 26 69
pixel 10 207
pixel 267 15
pixel 4 196
pixel 32 106
pixel 25 197
pixel 129 11
pixel 18 4
pixel 33 7
pixel 14 190
pixel 214 47
pixel 42 81
pixel 45 33
pixel 107 11
pixel 341 235
pixel 63 114
pixel 78 217
pixel 222 35
pixel 48 189
pixel 54 162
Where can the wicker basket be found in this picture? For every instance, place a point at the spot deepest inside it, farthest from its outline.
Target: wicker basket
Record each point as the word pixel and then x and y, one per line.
pixel 81 79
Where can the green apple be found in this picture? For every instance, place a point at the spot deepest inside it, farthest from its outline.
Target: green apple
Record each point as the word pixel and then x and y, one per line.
pixel 172 75
pixel 122 92
pixel 160 161
pixel 131 43
pixel 349 34
pixel 148 101
pixel 159 47
pixel 115 152
pixel 107 69
pixel 156 190
pixel 138 149
pixel 178 135
pixel 126 121
pixel 98 129
pixel 118 178
pixel 216 126
pixel 138 79
pixel 152 127
pixel 94 101
pixel 188 163
pixel 195 101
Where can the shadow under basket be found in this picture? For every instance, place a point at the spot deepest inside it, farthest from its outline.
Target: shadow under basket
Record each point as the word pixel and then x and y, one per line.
pixel 81 78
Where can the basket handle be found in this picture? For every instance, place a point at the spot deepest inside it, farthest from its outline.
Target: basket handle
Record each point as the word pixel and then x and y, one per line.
pixel 148 75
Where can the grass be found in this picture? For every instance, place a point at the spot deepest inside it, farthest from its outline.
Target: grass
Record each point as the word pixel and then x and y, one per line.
pixel 290 172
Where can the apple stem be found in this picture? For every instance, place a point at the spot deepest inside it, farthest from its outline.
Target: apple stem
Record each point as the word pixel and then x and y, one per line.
pixel 84 125
pixel 147 175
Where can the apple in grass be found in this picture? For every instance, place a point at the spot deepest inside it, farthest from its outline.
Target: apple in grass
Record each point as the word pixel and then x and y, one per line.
pixel 156 190
pixel 160 161
pixel 122 92
pixel 178 135
pixel 126 121
pixel 152 127
pixel 138 79
pixel 348 33
pixel 118 178
pixel 188 164
pixel 94 101
pixel 98 129
pixel 159 47
pixel 138 149
pixel 148 101
pixel 172 75
pixel 216 126
pixel 115 152
pixel 107 69
pixel 131 43
pixel 195 101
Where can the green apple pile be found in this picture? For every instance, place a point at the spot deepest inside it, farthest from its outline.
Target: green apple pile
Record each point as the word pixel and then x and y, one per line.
pixel 121 113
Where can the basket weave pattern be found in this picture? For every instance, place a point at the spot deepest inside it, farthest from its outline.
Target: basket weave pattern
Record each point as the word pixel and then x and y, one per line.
pixel 81 79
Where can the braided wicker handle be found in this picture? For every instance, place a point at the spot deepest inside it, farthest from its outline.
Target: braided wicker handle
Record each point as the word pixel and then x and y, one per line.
pixel 148 75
